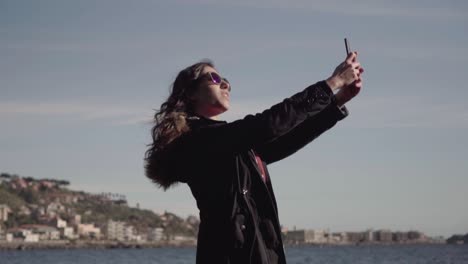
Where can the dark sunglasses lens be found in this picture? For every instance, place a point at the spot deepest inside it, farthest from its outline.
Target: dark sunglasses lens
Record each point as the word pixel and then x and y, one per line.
pixel 215 77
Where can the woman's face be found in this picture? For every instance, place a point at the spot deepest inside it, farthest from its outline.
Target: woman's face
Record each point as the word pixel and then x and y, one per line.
pixel 211 99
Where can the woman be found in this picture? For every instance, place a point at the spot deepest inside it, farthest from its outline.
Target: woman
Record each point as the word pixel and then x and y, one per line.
pixel 224 163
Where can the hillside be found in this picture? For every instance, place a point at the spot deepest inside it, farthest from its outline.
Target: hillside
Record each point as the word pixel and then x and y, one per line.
pixel 39 201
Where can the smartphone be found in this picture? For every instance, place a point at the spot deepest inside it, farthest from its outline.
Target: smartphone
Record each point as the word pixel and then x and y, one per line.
pixel 347 46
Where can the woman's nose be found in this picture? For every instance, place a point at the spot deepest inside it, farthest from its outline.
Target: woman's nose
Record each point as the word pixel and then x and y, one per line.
pixel 225 85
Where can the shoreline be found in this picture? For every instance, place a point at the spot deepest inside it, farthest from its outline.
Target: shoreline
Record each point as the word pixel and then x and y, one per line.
pixel 66 244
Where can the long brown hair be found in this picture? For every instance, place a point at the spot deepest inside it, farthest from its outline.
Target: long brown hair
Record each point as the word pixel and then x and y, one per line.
pixel 170 122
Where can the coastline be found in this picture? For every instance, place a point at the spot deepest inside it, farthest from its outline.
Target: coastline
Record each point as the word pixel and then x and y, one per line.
pixel 107 244
pixel 66 244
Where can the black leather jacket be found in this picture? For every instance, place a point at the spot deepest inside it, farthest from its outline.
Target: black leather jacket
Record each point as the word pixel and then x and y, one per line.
pixel 238 211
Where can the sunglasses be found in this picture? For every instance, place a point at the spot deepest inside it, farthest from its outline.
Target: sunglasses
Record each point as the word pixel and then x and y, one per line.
pixel 216 78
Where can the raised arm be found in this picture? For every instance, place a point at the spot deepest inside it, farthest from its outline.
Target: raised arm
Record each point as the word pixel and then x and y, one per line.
pixel 259 129
pixel 314 126
pixel 302 134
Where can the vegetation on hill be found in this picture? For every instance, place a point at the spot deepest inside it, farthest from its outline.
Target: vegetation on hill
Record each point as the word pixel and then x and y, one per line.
pixel 31 200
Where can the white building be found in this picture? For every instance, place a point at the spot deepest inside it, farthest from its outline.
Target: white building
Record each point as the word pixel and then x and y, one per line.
pixel 115 230
pixel 307 236
pixel 4 211
pixel 156 234
pixel 76 220
pixel 67 232
pixel 47 233
pixel 129 233
pixel 121 231
pixel 89 230
pixel 54 208
pixel 24 210
pixel 44 232
pixel 31 238
pixel 59 223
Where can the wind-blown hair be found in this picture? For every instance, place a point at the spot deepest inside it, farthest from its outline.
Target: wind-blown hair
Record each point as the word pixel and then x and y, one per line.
pixel 170 122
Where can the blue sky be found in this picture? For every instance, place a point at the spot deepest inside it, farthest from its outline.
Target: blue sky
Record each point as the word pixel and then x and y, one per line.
pixel 79 81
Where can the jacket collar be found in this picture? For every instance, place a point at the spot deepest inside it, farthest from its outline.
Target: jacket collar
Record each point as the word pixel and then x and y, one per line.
pixel 196 117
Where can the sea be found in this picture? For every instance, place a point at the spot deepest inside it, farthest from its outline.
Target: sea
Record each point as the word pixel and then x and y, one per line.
pixel 399 254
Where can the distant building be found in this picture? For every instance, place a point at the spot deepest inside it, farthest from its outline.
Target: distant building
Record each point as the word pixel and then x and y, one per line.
pixel 63 198
pixel 18 183
pixel 368 235
pixel 58 222
pixel 129 233
pixel 4 211
pixel 64 230
pixel 67 232
pixel 383 235
pixel 32 238
pixel 24 210
pixel 115 230
pixel 54 208
pixel 156 234
pixel 44 232
pixel 355 237
pixel 75 220
pixel 47 184
pixel 306 236
pixel 415 235
pixel 400 237
pixel 89 230
pixel 338 238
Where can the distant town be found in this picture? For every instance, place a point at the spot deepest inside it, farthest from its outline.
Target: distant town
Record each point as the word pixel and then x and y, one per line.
pixel 44 213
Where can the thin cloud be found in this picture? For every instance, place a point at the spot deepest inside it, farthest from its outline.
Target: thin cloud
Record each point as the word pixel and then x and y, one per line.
pixel 365 112
pixel 405 112
pixel 354 8
pixel 116 114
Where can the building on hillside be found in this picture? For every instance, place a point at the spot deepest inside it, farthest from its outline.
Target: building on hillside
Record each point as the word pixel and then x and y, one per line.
pixel 115 230
pixel 18 183
pixel 89 231
pixel 129 233
pixel 44 232
pixel 24 210
pixel 4 211
pixel 75 220
pixel 67 232
pixel 58 222
pixel 156 234
pixel 55 207
pixel 121 231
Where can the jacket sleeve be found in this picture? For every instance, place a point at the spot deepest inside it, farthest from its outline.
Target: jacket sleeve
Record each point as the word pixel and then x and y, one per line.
pixel 256 130
pixel 302 134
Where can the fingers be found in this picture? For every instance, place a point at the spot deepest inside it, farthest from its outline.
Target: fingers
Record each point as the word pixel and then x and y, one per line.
pixel 355 65
pixel 351 57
